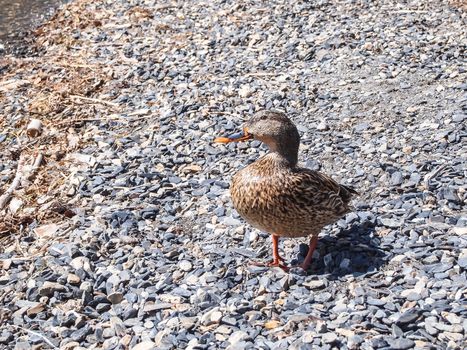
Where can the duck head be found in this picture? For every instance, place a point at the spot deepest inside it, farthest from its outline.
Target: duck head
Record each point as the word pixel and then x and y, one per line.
pixel 274 129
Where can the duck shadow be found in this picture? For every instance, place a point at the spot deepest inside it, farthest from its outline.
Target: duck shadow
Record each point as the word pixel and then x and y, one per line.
pixel 353 251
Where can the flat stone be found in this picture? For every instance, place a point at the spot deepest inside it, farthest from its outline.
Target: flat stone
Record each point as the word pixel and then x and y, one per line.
pixel 406 318
pixel 115 298
pixel 34 310
pixel 315 284
pixel 145 345
pixel 401 343
pixel 455 337
pixel 154 307
pixel 456 328
pixel 329 338
pixel 49 288
pixel 392 223
pixel 375 302
pixel 238 336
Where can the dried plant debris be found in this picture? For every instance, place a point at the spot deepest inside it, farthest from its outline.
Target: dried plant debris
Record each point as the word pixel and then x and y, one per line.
pixel 125 234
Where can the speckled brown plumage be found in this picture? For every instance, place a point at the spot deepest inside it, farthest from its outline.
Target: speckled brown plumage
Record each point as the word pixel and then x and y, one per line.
pixel 275 195
pixel 291 202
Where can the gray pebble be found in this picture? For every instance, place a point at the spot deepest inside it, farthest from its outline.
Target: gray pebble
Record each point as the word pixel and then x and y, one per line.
pixel 329 338
pixel 400 343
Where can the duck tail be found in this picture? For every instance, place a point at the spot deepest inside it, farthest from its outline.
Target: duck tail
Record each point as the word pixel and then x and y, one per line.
pixel 347 193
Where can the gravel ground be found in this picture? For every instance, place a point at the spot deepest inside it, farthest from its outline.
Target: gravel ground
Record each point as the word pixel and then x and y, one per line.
pixel 126 237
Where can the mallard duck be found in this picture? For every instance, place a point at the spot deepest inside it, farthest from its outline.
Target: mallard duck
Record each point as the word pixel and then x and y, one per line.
pixel 276 196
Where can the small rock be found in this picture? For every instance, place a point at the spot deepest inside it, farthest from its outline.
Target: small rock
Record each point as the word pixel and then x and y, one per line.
pixel 5 337
pixel 308 337
pixel 396 178
pixel 272 324
pixel 49 288
pixel 407 318
pixel 188 322
pixel 22 345
pixel 115 298
pixel 452 318
pixel 455 337
pixel 317 284
pixel 117 326
pixel 459 118
pixel 72 345
pixel 354 342
pixel 73 279
pixel 322 126
pixel 375 302
pixel 211 317
pixel 400 343
pixel 361 127
pixel 145 345
pixel 456 328
pixel 244 91
pixel 392 223
pixel 35 309
pixel 81 262
pixel 321 327
pixel 80 334
pixel 185 265
pixel 396 331
pixel 329 338
pixel 86 286
pixel 150 306
pixel 238 336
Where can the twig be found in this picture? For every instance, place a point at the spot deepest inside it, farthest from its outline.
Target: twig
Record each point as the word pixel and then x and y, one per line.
pixel 220 113
pixel 14 185
pixel 95 100
pixel 64 64
pixel 13 84
pixel 37 334
pixel 165 7
pixel 37 163
pixel 433 174
pixel 132 188
pixel 119 118
pixel 184 210
pixel 20 175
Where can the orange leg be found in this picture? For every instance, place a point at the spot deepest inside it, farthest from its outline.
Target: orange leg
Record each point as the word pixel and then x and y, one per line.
pixel 276 258
pixel 306 263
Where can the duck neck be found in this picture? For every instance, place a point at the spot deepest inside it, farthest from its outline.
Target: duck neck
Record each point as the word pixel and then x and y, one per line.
pixel 287 153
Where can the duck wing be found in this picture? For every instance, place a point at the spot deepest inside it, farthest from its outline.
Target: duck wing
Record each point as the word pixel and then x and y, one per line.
pixel 319 191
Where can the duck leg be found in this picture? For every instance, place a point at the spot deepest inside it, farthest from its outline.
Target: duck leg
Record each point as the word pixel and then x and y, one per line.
pixel 306 263
pixel 276 258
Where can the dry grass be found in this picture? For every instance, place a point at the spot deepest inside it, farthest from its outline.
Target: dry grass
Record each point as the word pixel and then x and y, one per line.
pixel 57 84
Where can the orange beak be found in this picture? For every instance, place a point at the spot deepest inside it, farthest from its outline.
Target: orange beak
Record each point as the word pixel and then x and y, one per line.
pixel 240 136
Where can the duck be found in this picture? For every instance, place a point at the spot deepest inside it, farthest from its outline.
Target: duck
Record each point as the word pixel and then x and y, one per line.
pixel 276 195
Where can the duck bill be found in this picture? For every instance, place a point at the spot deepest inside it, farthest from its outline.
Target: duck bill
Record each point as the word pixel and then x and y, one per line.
pixel 240 136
